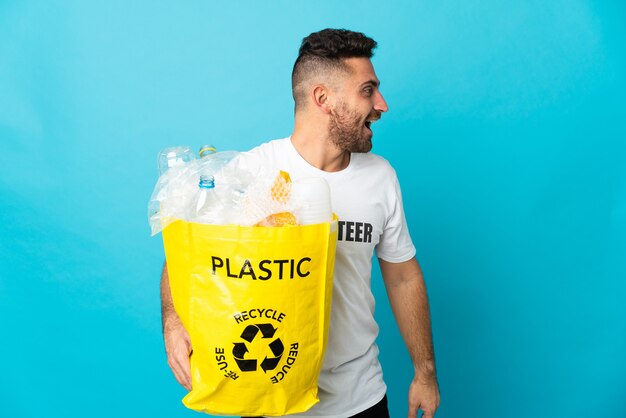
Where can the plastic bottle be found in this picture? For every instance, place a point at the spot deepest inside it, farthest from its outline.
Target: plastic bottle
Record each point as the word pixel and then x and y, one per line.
pixel 205 207
pixel 312 196
pixel 174 156
pixel 212 161
pixel 162 206
pixel 207 150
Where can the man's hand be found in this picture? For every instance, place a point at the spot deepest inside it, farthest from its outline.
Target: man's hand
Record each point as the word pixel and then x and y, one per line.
pixel 424 395
pixel 177 341
pixel 178 350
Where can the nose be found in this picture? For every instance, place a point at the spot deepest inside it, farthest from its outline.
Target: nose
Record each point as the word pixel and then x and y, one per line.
pixel 381 104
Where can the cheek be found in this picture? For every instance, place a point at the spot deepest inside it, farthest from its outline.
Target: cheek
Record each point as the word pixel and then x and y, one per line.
pixel 366 106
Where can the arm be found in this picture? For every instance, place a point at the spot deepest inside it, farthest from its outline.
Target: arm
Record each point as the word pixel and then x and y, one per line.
pixel 409 303
pixel 177 342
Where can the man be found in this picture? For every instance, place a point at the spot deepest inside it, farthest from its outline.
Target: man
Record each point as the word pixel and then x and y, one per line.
pixel 337 99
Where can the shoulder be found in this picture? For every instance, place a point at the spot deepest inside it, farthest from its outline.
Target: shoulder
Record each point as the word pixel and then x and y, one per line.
pixel 374 163
pixel 268 155
pixel 269 148
pixel 376 172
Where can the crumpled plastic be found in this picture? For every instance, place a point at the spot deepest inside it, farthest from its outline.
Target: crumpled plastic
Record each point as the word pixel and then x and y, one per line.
pixel 243 187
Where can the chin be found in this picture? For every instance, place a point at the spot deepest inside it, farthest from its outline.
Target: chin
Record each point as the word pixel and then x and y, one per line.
pixel 361 147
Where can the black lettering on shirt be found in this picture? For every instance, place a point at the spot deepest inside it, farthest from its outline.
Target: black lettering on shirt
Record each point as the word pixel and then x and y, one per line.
pixel 349 231
pixel 354 231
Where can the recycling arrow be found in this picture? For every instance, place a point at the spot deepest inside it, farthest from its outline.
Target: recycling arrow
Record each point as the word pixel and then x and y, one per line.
pixel 270 363
pixel 277 347
pixel 239 351
pixel 250 332
pixel 267 330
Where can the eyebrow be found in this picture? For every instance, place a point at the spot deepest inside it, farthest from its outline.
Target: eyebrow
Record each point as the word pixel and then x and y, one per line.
pixel 373 82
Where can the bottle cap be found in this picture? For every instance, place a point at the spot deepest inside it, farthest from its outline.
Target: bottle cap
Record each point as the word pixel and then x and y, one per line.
pixel 207 150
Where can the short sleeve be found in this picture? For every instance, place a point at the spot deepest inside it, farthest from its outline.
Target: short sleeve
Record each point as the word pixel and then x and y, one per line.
pixel 395 245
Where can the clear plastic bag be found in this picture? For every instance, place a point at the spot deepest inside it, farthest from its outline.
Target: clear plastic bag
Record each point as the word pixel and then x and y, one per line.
pixel 245 193
pixel 176 188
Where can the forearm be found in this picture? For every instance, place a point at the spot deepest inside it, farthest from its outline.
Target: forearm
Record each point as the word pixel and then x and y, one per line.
pixel 177 342
pixel 409 302
pixel 410 307
pixel 169 317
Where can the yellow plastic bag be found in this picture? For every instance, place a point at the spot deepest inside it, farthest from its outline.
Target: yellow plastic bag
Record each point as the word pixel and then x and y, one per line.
pixel 256 304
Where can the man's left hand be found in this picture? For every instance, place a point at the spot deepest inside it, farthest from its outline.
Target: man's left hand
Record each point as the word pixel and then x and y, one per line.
pixel 424 395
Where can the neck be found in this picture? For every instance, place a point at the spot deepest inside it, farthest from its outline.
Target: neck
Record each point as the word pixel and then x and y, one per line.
pixel 311 141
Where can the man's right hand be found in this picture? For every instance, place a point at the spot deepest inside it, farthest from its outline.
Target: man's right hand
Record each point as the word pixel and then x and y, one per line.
pixel 178 350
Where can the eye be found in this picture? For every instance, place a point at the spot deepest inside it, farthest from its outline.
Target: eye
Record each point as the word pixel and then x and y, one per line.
pixel 368 90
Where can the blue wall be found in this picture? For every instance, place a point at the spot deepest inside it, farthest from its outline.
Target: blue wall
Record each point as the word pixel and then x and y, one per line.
pixel 507 127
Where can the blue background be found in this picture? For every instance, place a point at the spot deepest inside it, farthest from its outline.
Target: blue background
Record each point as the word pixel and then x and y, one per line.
pixel 507 128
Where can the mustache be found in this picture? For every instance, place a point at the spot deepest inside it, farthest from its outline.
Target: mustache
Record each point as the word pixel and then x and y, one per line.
pixel 375 116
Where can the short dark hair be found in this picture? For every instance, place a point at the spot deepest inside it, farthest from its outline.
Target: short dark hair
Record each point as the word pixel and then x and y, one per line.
pixel 322 53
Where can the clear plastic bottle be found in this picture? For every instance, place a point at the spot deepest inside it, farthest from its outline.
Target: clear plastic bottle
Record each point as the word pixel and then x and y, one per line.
pixel 211 161
pixel 206 150
pixel 174 156
pixel 165 202
pixel 206 206
pixel 311 196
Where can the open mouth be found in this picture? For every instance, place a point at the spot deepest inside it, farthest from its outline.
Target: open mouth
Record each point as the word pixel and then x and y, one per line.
pixel 368 123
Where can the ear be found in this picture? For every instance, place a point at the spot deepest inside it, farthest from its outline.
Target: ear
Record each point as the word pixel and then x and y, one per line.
pixel 321 96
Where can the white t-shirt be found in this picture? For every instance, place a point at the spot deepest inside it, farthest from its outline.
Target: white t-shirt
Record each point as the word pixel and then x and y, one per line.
pixel 366 197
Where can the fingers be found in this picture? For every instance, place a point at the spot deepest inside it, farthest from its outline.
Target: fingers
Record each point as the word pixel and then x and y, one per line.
pixel 428 413
pixel 178 349
pixel 179 363
pixel 428 409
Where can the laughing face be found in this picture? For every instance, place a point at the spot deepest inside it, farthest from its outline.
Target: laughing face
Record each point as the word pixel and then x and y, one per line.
pixel 357 106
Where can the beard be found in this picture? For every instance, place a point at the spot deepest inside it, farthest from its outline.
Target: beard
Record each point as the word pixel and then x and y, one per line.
pixel 347 130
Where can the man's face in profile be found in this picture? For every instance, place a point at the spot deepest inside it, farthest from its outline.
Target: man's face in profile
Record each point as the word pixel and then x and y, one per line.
pixel 359 103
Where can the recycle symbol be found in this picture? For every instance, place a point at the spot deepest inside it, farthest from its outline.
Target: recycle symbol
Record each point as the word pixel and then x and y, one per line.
pixel 249 334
